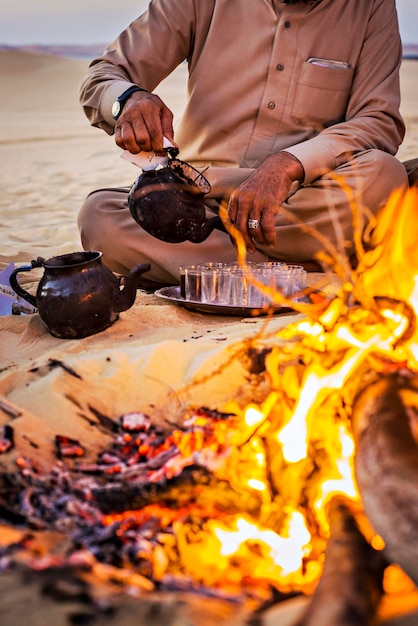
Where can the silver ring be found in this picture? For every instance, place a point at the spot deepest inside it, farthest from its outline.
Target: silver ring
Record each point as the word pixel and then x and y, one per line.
pixel 253 223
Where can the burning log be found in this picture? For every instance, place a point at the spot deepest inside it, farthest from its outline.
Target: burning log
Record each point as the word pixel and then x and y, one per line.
pixel 194 484
pixel 350 588
pixel 387 469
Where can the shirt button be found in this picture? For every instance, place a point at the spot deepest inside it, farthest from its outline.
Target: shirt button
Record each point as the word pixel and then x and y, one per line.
pixel 280 67
pixel 271 105
pixel 287 24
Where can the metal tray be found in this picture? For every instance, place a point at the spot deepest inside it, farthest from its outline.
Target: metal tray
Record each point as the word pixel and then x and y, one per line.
pixel 172 294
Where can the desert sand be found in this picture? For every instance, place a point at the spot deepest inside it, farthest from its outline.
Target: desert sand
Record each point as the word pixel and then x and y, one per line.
pixel 50 160
pixel 51 157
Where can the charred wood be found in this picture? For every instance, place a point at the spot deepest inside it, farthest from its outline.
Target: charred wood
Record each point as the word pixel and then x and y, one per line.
pixel 386 466
pixel 195 485
pixel 350 587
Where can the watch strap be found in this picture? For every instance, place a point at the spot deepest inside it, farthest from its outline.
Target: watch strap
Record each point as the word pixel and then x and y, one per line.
pixel 124 97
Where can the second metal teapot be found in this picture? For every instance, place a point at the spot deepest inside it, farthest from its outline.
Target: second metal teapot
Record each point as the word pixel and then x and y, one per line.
pixel 168 202
pixel 77 295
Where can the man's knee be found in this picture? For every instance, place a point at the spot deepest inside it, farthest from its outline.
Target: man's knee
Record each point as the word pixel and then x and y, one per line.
pixel 100 201
pixel 86 220
pixel 373 176
pixel 96 211
pixel 386 174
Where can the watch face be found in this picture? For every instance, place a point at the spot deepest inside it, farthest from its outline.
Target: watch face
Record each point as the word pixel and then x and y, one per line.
pixel 116 109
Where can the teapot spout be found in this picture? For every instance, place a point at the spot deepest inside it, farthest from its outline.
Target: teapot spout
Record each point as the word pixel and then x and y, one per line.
pixel 126 296
pixel 201 233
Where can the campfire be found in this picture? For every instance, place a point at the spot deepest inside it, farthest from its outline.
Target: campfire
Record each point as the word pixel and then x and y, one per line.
pixel 253 502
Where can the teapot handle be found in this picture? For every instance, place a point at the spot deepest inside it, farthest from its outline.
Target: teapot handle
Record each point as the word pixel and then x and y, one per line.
pixel 15 285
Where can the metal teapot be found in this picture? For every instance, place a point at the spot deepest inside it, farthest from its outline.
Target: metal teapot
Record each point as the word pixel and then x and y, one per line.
pixel 168 202
pixel 77 295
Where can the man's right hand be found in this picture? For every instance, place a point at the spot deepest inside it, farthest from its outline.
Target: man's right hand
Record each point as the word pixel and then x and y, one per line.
pixel 144 122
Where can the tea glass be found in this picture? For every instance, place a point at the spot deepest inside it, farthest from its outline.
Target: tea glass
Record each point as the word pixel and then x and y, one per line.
pixel 231 284
pixel 190 282
pixel 216 285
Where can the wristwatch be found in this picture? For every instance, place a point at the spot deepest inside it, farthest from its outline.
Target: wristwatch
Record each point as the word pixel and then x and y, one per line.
pixel 118 104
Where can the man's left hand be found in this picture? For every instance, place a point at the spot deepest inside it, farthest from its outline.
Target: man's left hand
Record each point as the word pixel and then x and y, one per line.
pixel 259 197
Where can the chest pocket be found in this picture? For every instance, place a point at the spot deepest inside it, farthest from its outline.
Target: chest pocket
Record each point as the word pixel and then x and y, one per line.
pixel 321 96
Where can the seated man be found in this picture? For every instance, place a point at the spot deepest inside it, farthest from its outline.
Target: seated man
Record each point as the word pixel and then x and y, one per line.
pixel 293 106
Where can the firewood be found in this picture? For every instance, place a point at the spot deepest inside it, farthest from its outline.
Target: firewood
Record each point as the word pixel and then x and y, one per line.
pixel 386 466
pixel 194 484
pixel 350 587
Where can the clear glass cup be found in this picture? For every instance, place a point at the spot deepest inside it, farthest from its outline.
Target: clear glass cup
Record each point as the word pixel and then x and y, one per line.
pixel 289 279
pixel 192 283
pixel 216 285
pixel 231 284
pixel 239 288
pixel 243 291
pixel 263 278
pixel 299 278
pixel 182 270
pixel 283 281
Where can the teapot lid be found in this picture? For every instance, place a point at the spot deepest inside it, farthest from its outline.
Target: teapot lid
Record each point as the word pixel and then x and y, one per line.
pixel 190 175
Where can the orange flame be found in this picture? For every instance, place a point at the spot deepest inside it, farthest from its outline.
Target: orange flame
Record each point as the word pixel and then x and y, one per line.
pixel 293 452
pixel 305 418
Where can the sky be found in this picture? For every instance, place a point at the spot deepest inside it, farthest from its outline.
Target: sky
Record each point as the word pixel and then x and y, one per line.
pixel 100 21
